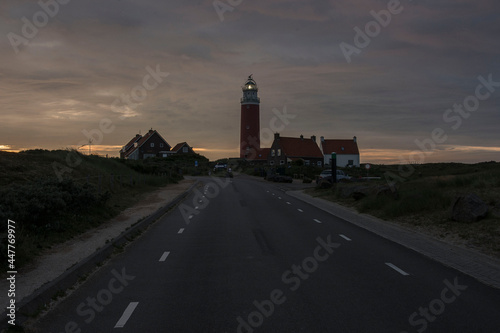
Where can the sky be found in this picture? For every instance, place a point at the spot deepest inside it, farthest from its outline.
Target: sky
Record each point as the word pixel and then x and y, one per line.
pixel 415 81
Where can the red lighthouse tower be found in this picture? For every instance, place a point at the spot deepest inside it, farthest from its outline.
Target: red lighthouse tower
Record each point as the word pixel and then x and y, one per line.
pixel 250 120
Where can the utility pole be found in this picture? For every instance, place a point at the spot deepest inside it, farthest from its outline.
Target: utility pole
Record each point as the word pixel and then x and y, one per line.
pixel 334 167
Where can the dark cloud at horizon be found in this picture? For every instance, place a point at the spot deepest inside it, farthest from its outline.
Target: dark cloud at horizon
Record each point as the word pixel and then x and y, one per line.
pixel 397 89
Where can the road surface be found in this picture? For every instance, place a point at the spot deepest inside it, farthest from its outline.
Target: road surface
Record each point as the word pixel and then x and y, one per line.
pixel 240 255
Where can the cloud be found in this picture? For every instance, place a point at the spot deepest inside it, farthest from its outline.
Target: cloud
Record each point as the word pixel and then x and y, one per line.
pixel 395 91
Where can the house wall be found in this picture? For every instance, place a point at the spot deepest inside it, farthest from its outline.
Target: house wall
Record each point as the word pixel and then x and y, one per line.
pixel 279 157
pixel 342 159
pixel 146 150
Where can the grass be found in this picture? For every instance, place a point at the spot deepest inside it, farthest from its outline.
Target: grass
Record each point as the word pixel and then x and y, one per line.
pixel 48 211
pixel 425 199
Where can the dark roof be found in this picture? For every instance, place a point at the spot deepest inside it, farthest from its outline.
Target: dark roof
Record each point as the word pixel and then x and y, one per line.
pixel 349 147
pixel 299 147
pixel 130 144
pixel 179 146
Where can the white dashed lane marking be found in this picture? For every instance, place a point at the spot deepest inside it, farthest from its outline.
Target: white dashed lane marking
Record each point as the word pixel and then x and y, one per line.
pixel 164 256
pixel 345 237
pixel 397 269
pixel 181 230
pixel 300 210
pixel 317 221
pixel 126 315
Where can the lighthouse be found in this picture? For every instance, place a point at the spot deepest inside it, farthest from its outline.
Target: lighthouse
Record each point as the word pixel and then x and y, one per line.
pixel 250 120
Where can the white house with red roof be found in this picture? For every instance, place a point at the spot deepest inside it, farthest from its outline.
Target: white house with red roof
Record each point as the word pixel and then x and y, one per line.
pixel 346 150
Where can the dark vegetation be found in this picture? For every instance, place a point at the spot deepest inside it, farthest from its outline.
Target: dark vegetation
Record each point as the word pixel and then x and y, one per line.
pixel 423 199
pixel 49 210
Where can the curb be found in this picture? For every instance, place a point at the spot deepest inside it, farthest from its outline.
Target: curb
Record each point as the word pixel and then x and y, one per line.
pixel 31 304
pixel 479 266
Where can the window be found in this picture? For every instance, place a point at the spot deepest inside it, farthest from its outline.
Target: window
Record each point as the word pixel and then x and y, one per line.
pixel 271 162
pixel 152 144
pixel 350 162
pixel 306 162
pixel 279 152
pixel 248 127
pixel 319 163
pixel 273 152
pixel 282 162
pixel 161 145
pixel 185 149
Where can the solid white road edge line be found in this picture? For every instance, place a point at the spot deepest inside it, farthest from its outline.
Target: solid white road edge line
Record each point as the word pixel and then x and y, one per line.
pixel 397 269
pixel 300 210
pixel 126 314
pixel 317 221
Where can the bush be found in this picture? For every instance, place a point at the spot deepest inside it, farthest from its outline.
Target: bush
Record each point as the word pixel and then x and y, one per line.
pixel 40 203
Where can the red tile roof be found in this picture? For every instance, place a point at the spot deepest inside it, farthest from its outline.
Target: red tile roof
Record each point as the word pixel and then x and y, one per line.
pixel 297 147
pixel 179 146
pixel 131 142
pixel 263 152
pixel 341 147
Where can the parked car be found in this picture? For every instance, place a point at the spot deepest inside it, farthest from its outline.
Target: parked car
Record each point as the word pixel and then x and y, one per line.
pixel 327 175
pixel 280 179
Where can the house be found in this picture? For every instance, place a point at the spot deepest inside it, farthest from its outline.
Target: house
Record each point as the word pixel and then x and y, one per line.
pixel 182 148
pixel 141 147
pixel 346 150
pixel 284 150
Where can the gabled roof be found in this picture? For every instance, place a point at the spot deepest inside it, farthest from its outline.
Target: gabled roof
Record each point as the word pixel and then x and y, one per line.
pixel 179 146
pixel 144 139
pixel 130 144
pixel 299 147
pixel 341 147
pixel 264 153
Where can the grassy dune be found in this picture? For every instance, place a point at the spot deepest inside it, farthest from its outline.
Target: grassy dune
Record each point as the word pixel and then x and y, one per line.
pixel 425 197
pixel 49 209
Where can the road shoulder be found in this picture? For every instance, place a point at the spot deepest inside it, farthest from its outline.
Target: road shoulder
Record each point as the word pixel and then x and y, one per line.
pixel 479 266
pixel 59 269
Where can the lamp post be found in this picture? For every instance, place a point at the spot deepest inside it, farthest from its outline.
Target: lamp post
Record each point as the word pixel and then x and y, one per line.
pixel 334 167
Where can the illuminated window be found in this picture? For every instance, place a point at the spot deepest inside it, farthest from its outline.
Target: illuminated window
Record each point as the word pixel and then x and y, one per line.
pixel 279 152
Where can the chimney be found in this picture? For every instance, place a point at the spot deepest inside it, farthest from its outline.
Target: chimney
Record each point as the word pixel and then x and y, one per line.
pixel 313 137
pixel 322 139
pixel 301 137
pixel 354 139
pixel 276 136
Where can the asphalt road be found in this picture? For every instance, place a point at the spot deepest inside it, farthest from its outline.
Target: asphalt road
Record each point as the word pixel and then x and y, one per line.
pixel 249 258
